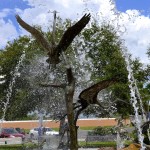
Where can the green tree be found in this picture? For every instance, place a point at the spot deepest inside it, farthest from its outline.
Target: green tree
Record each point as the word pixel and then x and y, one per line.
pixel 9 59
pixel 103 48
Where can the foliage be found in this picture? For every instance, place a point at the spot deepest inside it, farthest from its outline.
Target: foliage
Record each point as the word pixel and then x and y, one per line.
pixel 20 94
pixel 87 128
pixel 97 144
pixel 18 146
pixel 104 51
pixel 102 131
pixel 94 55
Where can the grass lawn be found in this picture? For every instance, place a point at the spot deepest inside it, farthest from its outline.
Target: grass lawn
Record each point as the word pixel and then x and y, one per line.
pixel 97 144
pixel 81 144
pixel 18 146
pixel 92 128
pixel 100 144
pixel 87 128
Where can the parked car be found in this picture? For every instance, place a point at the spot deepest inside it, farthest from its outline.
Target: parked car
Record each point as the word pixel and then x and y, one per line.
pixel 45 131
pixel 49 131
pixel 10 133
pixel 22 131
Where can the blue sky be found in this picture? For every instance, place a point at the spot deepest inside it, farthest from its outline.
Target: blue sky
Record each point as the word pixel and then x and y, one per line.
pixel 133 18
pixel 13 4
pixel 143 5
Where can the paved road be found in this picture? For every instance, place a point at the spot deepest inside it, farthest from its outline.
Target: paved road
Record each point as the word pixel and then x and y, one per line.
pixel 82 134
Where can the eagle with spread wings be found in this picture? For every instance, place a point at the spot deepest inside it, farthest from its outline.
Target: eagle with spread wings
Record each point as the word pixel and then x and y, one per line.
pixel 54 50
pixel 89 95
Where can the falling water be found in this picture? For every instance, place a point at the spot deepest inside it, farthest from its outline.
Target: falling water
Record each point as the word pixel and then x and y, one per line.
pixel 133 92
pixel 120 143
pixel 11 84
pixel 52 143
pixel 2 80
pixel 141 104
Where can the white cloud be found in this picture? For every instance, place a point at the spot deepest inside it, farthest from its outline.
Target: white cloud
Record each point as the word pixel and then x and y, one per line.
pixel 137 27
pixel 4 13
pixel 137 33
pixel 7 29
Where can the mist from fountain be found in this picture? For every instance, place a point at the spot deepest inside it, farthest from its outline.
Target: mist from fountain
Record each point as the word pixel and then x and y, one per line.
pixel 14 74
pixel 2 80
pixel 52 142
pixel 119 141
pixel 140 102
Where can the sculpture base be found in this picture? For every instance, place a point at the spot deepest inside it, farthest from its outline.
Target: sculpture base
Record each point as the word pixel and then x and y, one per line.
pixel 132 146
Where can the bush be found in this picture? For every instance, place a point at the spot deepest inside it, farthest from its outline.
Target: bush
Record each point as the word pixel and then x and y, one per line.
pixel 96 144
pixel 102 131
pixel 26 146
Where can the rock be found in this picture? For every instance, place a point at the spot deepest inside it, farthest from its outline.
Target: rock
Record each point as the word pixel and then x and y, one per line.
pixel 132 147
pixel 106 148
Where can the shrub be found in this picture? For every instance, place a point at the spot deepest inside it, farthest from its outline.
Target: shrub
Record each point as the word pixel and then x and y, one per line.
pixel 102 131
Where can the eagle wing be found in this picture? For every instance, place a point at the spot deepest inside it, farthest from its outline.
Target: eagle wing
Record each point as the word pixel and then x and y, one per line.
pixel 67 38
pixel 90 94
pixel 72 32
pixel 38 36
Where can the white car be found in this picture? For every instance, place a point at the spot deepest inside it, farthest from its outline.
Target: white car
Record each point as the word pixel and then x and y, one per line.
pixel 49 131
pixel 46 131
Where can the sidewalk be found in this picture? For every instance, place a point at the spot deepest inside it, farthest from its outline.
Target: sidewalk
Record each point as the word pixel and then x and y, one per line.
pixel 10 141
pixel 102 148
pixel 88 148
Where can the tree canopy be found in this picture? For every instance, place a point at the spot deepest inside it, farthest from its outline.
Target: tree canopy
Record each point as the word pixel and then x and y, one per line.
pixel 95 55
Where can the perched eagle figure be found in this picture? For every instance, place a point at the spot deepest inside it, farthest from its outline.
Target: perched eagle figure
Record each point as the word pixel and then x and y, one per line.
pixel 89 95
pixel 54 50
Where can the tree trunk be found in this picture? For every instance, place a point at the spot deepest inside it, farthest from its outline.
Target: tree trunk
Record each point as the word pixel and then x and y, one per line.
pixel 69 93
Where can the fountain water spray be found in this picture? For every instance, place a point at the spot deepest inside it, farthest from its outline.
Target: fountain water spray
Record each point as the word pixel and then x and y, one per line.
pixel 141 104
pixel 120 143
pixel 2 80
pixel 134 93
pixel 11 84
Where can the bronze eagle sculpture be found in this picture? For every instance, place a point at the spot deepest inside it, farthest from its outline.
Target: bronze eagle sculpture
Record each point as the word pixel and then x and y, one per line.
pixel 54 50
pixel 89 95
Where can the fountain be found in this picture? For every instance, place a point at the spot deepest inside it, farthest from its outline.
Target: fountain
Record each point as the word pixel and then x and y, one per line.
pixel 52 142
pixel 14 74
pixel 2 80
pixel 134 102
pixel 119 141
